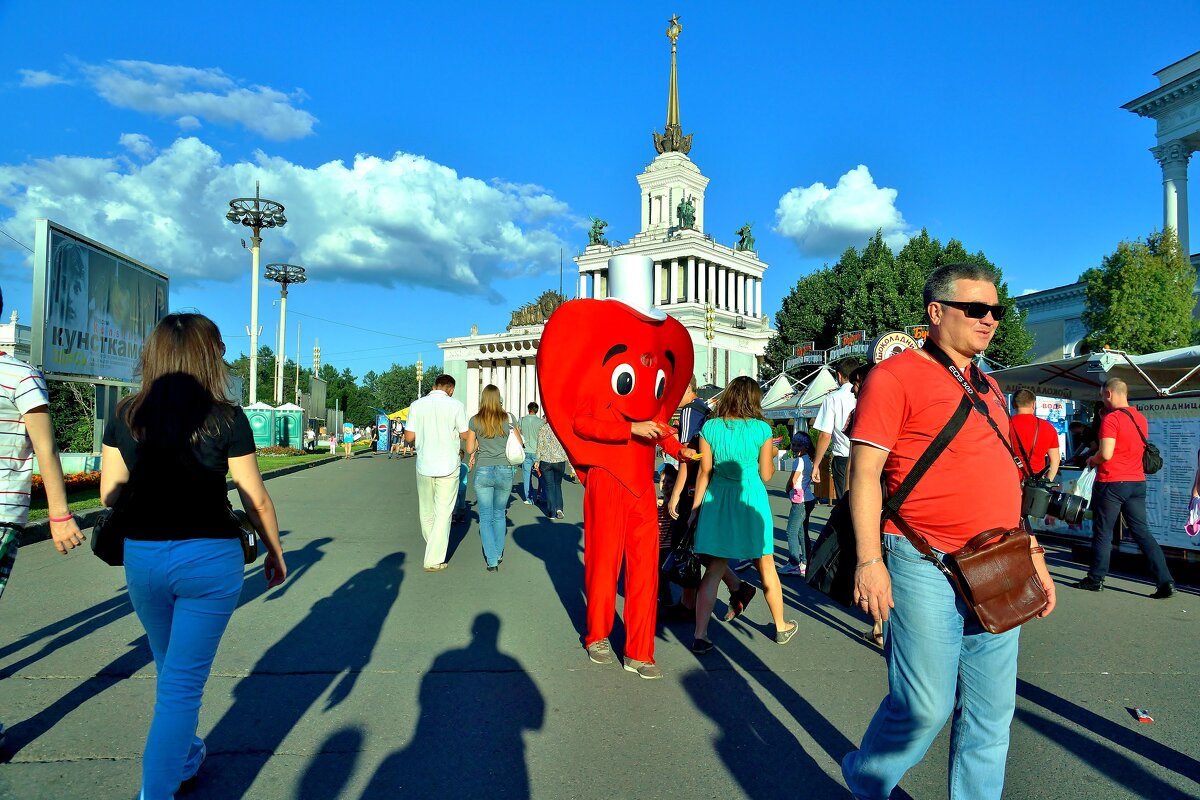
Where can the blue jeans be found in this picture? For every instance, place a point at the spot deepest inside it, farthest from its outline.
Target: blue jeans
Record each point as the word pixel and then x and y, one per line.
pixel 184 593
pixel 460 503
pixel 1129 497
pixel 797 522
pixel 552 475
pixel 527 472
pixel 493 486
pixel 940 662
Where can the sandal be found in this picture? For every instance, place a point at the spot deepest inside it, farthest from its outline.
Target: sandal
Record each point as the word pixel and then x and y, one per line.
pixel 739 600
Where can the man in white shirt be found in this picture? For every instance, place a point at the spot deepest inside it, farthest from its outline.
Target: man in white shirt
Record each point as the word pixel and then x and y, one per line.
pixel 830 424
pixel 438 425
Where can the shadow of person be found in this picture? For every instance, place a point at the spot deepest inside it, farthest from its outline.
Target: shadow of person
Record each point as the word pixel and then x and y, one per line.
pixel 752 742
pixel 476 705
pixel 330 768
pixel 559 545
pixel 333 643
pixel 136 658
pixel 68 630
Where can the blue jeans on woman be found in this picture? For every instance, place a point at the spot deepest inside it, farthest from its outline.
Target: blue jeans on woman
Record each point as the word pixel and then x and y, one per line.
pixel 552 475
pixel 797 523
pixel 493 486
pixel 184 593
pixel 939 661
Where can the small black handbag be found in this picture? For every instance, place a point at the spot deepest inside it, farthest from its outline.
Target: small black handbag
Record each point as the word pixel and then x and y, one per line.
pixel 682 565
pixel 108 543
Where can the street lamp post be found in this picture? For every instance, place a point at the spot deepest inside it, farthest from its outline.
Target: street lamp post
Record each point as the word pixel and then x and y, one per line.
pixel 285 275
pixel 255 213
pixel 420 376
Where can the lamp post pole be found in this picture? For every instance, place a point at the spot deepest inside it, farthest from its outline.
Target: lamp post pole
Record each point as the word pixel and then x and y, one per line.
pixel 710 317
pixel 285 275
pixel 420 376
pixel 255 213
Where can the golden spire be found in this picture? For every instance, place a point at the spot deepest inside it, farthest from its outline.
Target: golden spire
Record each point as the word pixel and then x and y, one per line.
pixel 672 138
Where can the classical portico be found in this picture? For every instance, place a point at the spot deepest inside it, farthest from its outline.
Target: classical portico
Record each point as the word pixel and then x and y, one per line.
pixel 1175 106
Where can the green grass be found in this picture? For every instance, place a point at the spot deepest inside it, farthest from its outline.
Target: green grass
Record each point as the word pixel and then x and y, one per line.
pixel 84 499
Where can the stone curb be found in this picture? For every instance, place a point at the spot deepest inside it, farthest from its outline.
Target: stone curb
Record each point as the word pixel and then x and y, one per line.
pixel 40 531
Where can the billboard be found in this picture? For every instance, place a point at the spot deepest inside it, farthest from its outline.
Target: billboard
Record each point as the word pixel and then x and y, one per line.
pixel 853 343
pixel 92 307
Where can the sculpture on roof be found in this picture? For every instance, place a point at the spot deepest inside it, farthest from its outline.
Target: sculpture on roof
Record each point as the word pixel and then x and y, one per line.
pixel 745 240
pixel 596 234
pixel 686 210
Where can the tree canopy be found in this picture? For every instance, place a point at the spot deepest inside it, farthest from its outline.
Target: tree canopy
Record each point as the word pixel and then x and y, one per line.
pixel 877 290
pixel 1140 299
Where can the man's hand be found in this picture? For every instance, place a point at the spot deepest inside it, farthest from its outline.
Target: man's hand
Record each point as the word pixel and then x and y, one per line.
pixel 816 473
pixel 1039 566
pixel 66 535
pixel 647 430
pixel 873 590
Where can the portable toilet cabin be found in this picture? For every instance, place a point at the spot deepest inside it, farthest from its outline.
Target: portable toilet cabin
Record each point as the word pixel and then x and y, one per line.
pixel 262 423
pixel 289 426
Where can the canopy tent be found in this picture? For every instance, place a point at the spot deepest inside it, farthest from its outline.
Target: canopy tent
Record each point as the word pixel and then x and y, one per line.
pixel 1169 373
pixel 804 403
pixel 778 389
pixel 401 415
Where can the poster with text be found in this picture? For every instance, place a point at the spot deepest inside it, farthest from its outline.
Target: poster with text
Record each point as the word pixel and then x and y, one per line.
pixel 98 310
pixel 1175 430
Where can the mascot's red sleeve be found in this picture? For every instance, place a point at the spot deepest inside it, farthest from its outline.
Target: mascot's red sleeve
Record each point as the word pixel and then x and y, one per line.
pixel 602 365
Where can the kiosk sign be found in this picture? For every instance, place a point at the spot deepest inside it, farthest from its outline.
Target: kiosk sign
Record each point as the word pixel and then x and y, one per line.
pixel 93 307
pixel 889 344
pixel 805 353
pixel 919 333
pixel 848 344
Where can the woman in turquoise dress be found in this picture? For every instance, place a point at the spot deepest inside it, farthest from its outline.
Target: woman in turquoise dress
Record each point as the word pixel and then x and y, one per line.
pixel 731 512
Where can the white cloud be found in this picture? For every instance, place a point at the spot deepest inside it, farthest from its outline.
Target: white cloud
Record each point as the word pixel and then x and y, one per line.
pixel 37 79
pixel 138 144
pixel 394 221
pixel 823 222
pixel 193 94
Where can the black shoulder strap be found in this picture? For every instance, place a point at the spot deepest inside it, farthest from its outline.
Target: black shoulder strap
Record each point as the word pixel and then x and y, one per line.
pixel 935 449
pixel 1037 428
pixel 1132 419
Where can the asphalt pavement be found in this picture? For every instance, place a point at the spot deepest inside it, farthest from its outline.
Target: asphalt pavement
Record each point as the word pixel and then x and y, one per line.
pixel 365 677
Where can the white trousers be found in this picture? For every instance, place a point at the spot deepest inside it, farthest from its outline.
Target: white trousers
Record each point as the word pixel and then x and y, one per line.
pixel 436 498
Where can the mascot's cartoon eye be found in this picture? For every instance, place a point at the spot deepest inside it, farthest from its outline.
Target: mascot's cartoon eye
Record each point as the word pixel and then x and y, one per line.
pixel 622 379
pixel 660 384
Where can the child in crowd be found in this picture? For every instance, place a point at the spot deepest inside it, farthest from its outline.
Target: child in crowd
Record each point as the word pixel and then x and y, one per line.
pixel 800 491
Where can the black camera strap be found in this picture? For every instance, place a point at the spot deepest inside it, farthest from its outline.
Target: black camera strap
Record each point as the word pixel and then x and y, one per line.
pixel 1037 428
pixel 973 394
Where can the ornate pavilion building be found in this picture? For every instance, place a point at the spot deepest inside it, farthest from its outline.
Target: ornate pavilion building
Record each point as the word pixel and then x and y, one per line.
pixel 714 289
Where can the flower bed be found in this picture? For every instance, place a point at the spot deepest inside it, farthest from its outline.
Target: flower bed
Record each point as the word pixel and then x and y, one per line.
pixel 280 451
pixel 74 482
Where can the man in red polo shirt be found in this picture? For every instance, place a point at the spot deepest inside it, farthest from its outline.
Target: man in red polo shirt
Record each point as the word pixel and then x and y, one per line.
pixel 1033 438
pixel 1121 489
pixel 940 660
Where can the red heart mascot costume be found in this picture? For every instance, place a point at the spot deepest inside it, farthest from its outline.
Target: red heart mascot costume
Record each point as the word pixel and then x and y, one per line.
pixel 604 365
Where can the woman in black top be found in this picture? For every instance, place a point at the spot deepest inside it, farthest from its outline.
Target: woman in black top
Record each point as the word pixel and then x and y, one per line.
pixel 166 452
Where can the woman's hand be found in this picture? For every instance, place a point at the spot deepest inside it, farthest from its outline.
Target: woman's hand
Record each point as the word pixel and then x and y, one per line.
pixel 274 569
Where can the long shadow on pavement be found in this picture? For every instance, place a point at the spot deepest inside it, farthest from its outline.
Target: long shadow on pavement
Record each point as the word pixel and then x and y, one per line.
pixel 476 705
pixel 560 547
pixel 128 663
pixel 335 641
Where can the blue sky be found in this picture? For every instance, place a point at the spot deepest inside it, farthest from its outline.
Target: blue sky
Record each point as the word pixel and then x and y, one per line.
pixel 434 159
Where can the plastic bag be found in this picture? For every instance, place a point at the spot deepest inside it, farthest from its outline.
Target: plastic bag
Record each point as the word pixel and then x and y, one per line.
pixel 1083 485
pixel 1192 526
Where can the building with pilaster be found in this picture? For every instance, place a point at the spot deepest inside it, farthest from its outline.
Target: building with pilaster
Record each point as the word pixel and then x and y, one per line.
pixel 696 278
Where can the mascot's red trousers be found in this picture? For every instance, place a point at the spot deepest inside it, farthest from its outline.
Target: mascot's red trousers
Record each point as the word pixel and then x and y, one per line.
pixel 617 525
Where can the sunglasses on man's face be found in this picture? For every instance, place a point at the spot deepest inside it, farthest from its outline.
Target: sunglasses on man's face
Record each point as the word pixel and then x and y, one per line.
pixel 976 310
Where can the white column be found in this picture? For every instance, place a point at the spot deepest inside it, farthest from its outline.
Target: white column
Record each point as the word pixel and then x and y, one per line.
pixel 722 285
pixel 731 290
pixel 741 294
pixel 1173 156
pixel 701 283
pixel 692 295
pixel 657 283
pixel 472 397
pixel 673 281
pixel 530 375
pixel 583 287
pixel 513 378
pixel 758 309
pixel 710 284
pixel 536 396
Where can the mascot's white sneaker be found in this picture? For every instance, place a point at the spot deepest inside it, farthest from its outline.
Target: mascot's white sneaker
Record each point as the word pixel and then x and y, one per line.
pixel 645 669
pixel 601 652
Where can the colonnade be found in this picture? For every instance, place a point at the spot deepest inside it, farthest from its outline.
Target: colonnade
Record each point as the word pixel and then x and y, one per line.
pixel 516 378
pixel 692 280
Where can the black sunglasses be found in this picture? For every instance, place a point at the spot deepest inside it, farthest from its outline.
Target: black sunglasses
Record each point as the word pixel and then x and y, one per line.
pixel 976 310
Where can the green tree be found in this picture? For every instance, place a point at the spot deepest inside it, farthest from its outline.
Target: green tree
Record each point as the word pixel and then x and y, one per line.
pixel 1140 299
pixel 73 413
pixel 877 291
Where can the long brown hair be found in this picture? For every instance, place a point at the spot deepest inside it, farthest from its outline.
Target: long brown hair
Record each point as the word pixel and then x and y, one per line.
pixel 491 414
pixel 742 399
pixel 184 379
